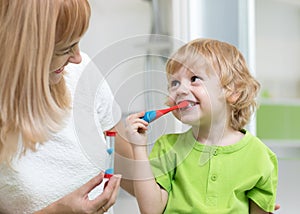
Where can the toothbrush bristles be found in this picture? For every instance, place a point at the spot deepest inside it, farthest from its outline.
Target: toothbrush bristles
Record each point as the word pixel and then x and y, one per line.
pixel 183 104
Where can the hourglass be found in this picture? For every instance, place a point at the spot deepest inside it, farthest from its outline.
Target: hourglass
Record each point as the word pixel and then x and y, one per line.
pixel 110 149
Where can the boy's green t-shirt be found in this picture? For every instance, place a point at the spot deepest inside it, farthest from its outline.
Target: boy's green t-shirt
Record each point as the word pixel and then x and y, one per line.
pixel 214 179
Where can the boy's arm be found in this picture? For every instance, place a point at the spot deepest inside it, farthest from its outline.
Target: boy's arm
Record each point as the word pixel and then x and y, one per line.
pixel 150 196
pixel 124 162
pixel 255 209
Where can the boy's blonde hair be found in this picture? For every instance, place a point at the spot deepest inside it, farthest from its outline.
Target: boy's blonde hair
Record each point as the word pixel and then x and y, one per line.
pixel 30 32
pixel 240 87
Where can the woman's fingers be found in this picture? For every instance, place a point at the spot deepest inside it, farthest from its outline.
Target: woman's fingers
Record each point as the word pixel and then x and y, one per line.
pixel 109 194
pixel 91 184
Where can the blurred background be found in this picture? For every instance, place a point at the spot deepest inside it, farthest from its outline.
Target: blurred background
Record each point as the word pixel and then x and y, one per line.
pixel 267 32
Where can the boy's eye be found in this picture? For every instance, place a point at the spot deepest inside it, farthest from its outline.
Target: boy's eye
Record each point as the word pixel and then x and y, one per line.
pixel 195 78
pixel 174 83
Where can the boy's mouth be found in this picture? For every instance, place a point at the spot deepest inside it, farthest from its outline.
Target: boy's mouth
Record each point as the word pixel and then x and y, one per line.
pixel 191 104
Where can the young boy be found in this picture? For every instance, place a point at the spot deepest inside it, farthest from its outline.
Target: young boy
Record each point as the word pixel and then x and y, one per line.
pixel 216 166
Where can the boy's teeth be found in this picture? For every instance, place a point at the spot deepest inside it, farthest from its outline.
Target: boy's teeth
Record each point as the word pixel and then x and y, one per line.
pixel 191 104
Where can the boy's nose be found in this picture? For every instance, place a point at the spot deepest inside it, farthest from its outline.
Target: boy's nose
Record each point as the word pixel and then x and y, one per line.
pixel 183 89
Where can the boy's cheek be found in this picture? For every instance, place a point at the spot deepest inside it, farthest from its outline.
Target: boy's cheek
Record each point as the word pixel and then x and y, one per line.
pixel 170 101
pixel 175 113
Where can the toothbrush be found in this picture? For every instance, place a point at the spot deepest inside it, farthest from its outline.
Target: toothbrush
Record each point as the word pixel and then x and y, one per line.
pixel 155 114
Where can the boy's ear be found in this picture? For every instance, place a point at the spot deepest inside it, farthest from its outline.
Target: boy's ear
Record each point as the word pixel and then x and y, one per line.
pixel 233 98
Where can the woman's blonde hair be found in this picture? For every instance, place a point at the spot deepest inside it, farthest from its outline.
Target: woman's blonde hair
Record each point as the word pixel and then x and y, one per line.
pixel 30 31
pixel 240 87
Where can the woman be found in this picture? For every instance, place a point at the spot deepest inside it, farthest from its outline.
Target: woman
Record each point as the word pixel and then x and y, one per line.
pixel 42 166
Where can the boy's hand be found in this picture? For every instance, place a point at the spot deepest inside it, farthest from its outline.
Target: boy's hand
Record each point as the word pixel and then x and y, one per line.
pixel 136 129
pixel 277 207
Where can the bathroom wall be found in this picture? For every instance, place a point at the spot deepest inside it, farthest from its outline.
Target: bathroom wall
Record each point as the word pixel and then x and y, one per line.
pixel 115 20
pixel 278 70
pixel 278 48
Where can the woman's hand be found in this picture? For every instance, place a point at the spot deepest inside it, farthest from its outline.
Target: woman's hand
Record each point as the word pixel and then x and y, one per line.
pixel 79 202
